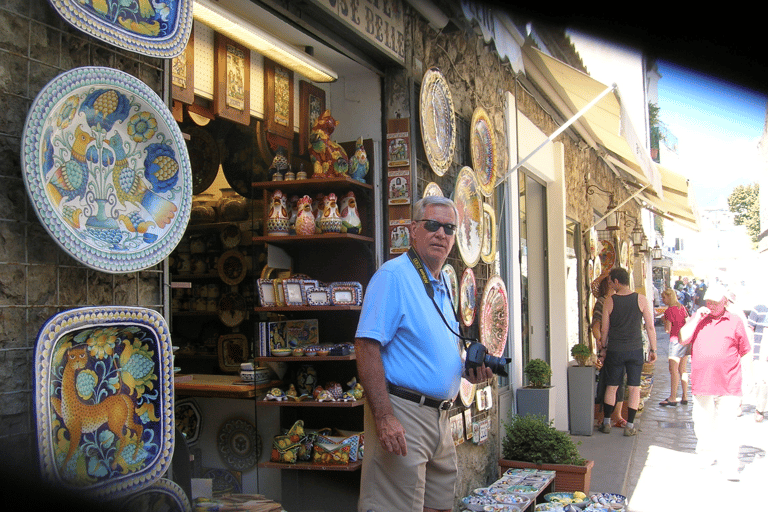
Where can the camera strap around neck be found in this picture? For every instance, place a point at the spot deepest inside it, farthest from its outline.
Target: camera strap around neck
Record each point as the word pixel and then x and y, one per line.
pixel 422 271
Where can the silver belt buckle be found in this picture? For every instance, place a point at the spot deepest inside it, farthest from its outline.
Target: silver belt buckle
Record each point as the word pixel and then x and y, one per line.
pixel 445 405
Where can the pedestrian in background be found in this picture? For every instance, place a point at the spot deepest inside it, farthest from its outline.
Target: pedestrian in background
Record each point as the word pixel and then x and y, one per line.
pixel 674 318
pixel 622 348
pixel 718 342
pixel 757 322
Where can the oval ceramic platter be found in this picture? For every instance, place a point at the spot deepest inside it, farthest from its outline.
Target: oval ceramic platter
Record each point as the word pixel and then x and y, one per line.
pixel 494 316
pixel 453 284
pixel 104 399
pixel 469 235
pixel 484 156
pixel 438 124
pixel 156 29
pixel 468 297
pixel 107 169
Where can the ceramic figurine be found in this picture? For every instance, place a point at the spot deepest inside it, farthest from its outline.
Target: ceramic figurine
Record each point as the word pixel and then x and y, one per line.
pixel 305 221
pixel 350 221
pixel 306 379
pixel 328 158
pixel 276 394
pixel 277 223
pixel 330 222
pixel 325 396
pixel 347 397
pixel 316 392
pixel 291 391
pixel 358 162
pixel 302 174
pixel 334 388
pixel 318 207
pixel 357 391
pixel 293 210
pixel 279 165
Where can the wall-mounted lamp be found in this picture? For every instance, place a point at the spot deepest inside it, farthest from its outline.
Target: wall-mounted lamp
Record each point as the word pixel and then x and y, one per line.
pixel 656 252
pixel 245 33
pixel 637 236
pixel 611 217
pixel 644 245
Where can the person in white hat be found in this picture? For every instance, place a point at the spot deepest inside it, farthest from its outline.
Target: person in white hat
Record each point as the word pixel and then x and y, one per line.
pixel 718 341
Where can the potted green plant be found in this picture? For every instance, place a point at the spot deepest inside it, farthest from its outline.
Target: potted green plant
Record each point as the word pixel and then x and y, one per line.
pixel 581 392
pixel 538 397
pixel 531 441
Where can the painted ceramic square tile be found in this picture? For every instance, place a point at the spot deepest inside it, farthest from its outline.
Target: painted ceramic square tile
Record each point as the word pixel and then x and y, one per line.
pixel 104 399
pixel 150 27
pixel 107 169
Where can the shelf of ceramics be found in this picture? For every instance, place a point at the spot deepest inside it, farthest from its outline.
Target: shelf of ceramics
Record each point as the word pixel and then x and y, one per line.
pixel 310 403
pixel 321 238
pixel 311 466
pixel 218 386
pixel 303 309
pixel 307 359
pixel 316 184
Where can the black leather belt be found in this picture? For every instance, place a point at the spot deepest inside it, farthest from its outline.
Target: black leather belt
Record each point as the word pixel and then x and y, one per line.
pixel 441 405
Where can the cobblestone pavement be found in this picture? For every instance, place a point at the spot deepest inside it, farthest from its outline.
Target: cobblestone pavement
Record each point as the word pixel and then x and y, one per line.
pixel 663 475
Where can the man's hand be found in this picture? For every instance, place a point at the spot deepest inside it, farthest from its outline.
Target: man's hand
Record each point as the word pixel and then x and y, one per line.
pixel 652 356
pixel 477 375
pixel 391 434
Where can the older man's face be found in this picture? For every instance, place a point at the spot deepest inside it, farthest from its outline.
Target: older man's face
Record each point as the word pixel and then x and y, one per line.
pixel 433 246
pixel 716 308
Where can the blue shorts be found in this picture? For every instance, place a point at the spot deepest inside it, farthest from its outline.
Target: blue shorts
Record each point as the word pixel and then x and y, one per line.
pixel 617 362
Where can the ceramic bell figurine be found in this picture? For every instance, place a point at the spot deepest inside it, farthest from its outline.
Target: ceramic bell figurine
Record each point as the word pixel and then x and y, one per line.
pixel 277 223
pixel 330 222
pixel 350 221
pixel 358 162
pixel 305 221
pixel 302 174
pixel 279 165
pixel 328 158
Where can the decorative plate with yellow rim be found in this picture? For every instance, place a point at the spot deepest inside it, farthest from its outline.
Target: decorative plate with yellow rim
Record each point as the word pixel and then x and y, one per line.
pixel 467 297
pixel 469 235
pixel 432 189
pixel 484 155
pixel 494 316
pixel 467 392
pixel 488 252
pixel 438 124
pixel 453 284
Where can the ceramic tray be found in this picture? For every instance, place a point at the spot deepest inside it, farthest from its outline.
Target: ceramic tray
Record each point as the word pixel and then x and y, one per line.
pixel 484 155
pixel 467 294
pixel 494 316
pixel 157 29
pixel 233 351
pixel 239 444
pixel 107 169
pixel 438 124
pixel 96 363
pixel 469 235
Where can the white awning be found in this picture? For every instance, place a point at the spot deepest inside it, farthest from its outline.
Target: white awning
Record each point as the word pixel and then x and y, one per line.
pixel 678 204
pixel 605 126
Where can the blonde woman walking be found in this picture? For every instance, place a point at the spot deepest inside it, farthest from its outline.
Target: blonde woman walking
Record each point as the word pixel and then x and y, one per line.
pixel 674 318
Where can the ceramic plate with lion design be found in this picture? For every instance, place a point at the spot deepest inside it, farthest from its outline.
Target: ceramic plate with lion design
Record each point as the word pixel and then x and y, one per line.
pixel 107 170
pixel 150 27
pixel 104 399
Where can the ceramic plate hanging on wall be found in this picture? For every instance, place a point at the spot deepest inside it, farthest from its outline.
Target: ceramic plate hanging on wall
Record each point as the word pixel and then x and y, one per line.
pixel 204 157
pixel 624 255
pixel 453 284
pixel 494 316
pixel 107 169
pixel 156 29
pixel 467 297
pixel 189 419
pixel 484 156
pixel 433 189
pixel 438 124
pixel 104 399
pixel 239 444
pixel 488 252
pixel 469 234
pixel 162 495
pixel 467 392
pixel 607 255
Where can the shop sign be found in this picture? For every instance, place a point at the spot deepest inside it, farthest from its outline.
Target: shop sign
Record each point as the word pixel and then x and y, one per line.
pixel 379 21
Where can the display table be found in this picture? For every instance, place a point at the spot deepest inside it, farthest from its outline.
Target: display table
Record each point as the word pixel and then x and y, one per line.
pixel 218 386
pixel 529 483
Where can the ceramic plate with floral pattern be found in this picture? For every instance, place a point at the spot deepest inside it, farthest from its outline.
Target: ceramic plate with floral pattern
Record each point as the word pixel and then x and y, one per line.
pixel 494 316
pixel 154 28
pixel 239 444
pixel 467 294
pixel 438 124
pixel 484 156
pixel 469 235
pixel 189 419
pixel 104 399
pixel 107 169
pixel 452 280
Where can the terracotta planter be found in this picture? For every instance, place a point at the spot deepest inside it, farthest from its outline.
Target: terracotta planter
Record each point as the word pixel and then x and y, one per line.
pixel 567 477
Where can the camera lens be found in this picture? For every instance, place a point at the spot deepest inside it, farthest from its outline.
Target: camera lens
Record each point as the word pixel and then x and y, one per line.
pixel 477 355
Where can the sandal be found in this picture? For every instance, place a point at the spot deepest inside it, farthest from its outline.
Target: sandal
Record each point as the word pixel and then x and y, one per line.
pixel 759 416
pixel 620 424
pixel 684 402
pixel 666 402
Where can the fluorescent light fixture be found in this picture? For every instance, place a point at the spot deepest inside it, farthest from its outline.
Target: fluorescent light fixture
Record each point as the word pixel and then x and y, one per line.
pixel 247 34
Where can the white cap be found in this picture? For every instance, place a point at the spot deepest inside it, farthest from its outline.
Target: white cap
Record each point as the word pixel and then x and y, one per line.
pixel 715 292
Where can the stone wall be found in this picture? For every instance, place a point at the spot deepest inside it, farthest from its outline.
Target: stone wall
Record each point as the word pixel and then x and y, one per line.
pixel 37 279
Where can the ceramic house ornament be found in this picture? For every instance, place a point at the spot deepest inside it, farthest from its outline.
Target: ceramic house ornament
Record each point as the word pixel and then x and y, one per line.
pixel 350 221
pixel 329 159
pixel 277 222
pixel 330 222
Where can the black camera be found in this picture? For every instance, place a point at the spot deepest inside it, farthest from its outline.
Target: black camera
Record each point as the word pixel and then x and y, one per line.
pixel 477 354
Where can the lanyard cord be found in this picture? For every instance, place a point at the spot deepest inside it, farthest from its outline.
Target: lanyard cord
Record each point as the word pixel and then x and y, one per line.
pixel 416 261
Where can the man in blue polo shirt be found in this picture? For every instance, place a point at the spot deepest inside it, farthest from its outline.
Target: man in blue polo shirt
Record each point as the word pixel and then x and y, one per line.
pixel 409 362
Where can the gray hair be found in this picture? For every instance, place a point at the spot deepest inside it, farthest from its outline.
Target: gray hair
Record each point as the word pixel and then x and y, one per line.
pixel 421 205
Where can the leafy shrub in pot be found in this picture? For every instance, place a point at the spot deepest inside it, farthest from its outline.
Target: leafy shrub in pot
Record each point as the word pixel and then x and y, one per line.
pixel 530 438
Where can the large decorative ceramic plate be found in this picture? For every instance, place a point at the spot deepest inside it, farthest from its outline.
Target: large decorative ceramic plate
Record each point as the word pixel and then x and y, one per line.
pixel 189 419
pixel 607 255
pixel 165 495
pixel 484 156
pixel 156 29
pixel 624 255
pixel 488 251
pixel 494 316
pixel 438 125
pixel 104 399
pixel 469 235
pixel 453 284
pixel 107 169
pixel 468 294
pixel 433 189
pixel 467 392
pixel 239 444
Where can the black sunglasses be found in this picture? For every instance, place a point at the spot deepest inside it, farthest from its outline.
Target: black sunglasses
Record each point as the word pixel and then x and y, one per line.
pixel 432 226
